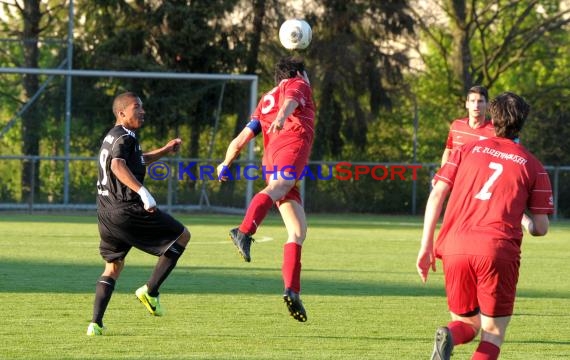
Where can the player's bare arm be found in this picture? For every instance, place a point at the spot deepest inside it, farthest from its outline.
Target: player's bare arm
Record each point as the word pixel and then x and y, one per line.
pixel 426 255
pixel 289 105
pixel 125 176
pixel 170 148
pixel 234 149
pixel 536 224
pixel 445 156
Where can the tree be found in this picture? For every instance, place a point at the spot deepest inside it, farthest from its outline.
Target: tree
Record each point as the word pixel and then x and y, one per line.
pixel 356 63
pixel 481 40
pixel 30 21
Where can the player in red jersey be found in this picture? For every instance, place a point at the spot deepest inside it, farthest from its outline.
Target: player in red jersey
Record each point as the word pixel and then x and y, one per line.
pixel 472 128
pixel 285 115
pixel 492 183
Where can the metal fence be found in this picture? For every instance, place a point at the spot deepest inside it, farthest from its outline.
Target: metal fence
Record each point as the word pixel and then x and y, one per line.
pixel 186 191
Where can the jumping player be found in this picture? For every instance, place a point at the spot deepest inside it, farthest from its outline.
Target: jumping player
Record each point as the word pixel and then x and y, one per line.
pixel 285 115
pixel 492 183
pixel 127 212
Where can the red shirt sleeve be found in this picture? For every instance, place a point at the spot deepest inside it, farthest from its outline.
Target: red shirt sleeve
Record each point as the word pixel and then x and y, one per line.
pixel 541 200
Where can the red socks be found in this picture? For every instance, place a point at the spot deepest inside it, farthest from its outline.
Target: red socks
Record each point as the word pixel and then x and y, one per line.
pixel 291 269
pixel 461 333
pixel 256 212
pixel 486 351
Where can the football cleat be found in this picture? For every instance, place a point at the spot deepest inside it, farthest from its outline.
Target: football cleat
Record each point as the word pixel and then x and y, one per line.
pixel 94 330
pixel 295 305
pixel 443 344
pixel 150 302
pixel 242 242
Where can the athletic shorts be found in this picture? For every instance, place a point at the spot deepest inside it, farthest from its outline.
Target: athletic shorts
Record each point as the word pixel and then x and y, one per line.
pixel 291 157
pixel 133 226
pixel 480 282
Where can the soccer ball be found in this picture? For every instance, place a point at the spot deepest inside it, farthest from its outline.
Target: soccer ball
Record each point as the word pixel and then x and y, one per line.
pixel 295 34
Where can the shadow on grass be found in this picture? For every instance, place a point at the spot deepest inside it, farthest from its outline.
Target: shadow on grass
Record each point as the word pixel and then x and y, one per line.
pixel 29 277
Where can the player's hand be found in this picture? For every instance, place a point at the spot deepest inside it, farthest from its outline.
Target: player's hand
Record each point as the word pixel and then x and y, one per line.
pixel 149 203
pixel 275 126
pixel 223 171
pixel 425 261
pixel 174 145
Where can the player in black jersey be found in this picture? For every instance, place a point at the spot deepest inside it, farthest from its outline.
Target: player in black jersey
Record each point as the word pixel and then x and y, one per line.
pixel 127 212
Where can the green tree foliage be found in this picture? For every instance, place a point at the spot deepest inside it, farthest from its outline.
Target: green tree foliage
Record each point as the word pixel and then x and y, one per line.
pixel 355 69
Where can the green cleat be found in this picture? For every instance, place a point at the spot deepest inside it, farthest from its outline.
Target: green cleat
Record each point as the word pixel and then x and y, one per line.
pixel 150 302
pixel 94 330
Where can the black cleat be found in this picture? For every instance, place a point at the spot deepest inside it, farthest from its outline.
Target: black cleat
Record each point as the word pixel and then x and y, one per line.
pixel 243 243
pixel 295 305
pixel 443 344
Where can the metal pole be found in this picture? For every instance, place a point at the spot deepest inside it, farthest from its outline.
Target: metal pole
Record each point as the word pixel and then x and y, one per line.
pixel 414 182
pixel 250 152
pixel 68 79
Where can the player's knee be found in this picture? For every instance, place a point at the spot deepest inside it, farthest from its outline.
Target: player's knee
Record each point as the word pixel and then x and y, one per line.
pixel 298 236
pixel 279 188
pixel 113 269
pixel 494 338
pixel 184 238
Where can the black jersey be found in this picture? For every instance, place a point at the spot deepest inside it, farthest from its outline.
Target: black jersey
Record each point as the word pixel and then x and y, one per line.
pixel 119 143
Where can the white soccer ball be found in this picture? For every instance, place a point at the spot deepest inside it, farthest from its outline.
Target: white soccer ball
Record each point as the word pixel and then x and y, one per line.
pixel 295 34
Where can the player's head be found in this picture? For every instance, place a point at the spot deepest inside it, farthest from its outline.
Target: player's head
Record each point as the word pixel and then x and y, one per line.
pixel 478 89
pixel 476 102
pixel 128 110
pixel 509 112
pixel 122 101
pixel 288 67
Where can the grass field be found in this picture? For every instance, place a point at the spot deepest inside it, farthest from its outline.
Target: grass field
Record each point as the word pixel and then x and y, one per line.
pixel 363 296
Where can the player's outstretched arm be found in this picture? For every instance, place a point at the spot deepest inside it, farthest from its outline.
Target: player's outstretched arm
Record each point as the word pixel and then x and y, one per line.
pixel 234 149
pixel 171 147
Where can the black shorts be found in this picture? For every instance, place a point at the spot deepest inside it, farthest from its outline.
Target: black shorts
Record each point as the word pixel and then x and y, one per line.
pixel 124 228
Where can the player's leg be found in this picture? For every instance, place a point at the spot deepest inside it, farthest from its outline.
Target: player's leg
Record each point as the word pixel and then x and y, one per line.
pixel 256 212
pixel 461 291
pixel 497 291
pixel 167 262
pixel 159 234
pixel 113 250
pixel 282 169
pixel 103 292
pixel 294 218
pixel 277 187
pixel 493 331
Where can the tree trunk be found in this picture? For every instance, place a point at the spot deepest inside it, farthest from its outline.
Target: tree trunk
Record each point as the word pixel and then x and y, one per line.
pixel 461 52
pixel 31 125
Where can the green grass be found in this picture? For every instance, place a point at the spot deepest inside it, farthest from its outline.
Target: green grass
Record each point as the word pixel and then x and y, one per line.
pixel 360 287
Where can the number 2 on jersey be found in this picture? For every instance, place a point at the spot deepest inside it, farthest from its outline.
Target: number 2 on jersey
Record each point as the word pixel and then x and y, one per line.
pixel 484 193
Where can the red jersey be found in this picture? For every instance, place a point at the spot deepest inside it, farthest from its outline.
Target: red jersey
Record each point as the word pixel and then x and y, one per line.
pixel 300 124
pixel 461 133
pixel 493 181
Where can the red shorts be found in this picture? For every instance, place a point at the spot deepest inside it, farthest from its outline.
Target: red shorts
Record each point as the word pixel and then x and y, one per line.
pixel 289 157
pixel 483 282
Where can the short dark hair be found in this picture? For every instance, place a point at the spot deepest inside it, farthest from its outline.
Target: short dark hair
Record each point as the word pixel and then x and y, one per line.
pixel 288 67
pixel 509 112
pixel 119 104
pixel 478 89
